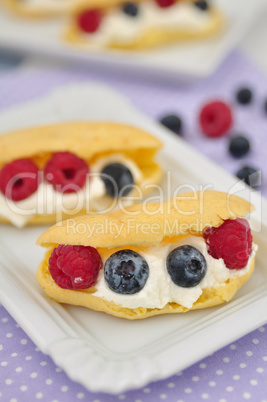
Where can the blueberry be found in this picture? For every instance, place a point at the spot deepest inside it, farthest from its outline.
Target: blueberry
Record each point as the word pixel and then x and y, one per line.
pixel 244 96
pixel 203 5
pixel 126 272
pixel 118 180
pixel 186 266
pixel 249 175
pixel 9 59
pixel 172 122
pixel 130 9
pixel 239 146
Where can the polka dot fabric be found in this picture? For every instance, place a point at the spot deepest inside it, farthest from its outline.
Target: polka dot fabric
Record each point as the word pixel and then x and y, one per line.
pixel 237 372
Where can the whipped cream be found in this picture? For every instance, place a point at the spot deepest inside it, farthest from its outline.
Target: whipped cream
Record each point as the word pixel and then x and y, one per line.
pixel 121 28
pixel 46 200
pixel 160 289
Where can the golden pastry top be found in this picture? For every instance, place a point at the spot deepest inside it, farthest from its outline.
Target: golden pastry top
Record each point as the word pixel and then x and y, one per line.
pixel 85 139
pixel 107 4
pixel 18 4
pixel 112 3
pixel 104 3
pixel 148 224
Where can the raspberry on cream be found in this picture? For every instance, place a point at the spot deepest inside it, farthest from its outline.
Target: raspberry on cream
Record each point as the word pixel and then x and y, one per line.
pixel 19 179
pixel 75 267
pixel 66 172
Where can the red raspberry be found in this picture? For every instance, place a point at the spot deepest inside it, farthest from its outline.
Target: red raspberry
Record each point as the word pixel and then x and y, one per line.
pixel 19 179
pixel 66 172
pixel 89 20
pixel 215 119
pixel 165 3
pixel 74 267
pixel 232 241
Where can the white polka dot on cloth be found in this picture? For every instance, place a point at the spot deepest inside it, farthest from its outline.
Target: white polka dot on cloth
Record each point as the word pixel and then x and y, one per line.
pixel 24 388
pixel 236 377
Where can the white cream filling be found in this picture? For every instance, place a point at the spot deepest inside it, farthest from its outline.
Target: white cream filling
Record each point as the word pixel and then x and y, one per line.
pixel 46 200
pixel 160 289
pixel 123 29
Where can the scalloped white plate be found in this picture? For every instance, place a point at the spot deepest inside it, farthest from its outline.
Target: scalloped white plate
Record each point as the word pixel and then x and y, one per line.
pixel 102 352
pixel 185 61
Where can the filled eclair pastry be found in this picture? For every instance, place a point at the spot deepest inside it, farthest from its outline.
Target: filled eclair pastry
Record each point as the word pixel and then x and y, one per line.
pixel 190 252
pixel 52 172
pixel 141 24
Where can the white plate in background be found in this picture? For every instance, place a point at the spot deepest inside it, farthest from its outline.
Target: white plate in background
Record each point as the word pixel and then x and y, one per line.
pixel 102 352
pixel 187 60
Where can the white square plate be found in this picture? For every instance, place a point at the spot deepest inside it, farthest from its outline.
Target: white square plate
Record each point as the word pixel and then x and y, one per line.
pixel 189 60
pixel 102 352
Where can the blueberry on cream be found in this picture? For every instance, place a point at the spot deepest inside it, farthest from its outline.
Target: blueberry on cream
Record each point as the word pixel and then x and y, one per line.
pixel 130 9
pixel 118 180
pixel 186 266
pixel 126 272
pixel 202 5
pixel 178 273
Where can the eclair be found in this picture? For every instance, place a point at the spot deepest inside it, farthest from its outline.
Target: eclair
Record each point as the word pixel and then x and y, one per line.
pixel 187 253
pixel 144 24
pixel 53 172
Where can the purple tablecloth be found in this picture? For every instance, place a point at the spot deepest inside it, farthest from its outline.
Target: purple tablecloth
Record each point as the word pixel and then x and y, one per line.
pixel 235 373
